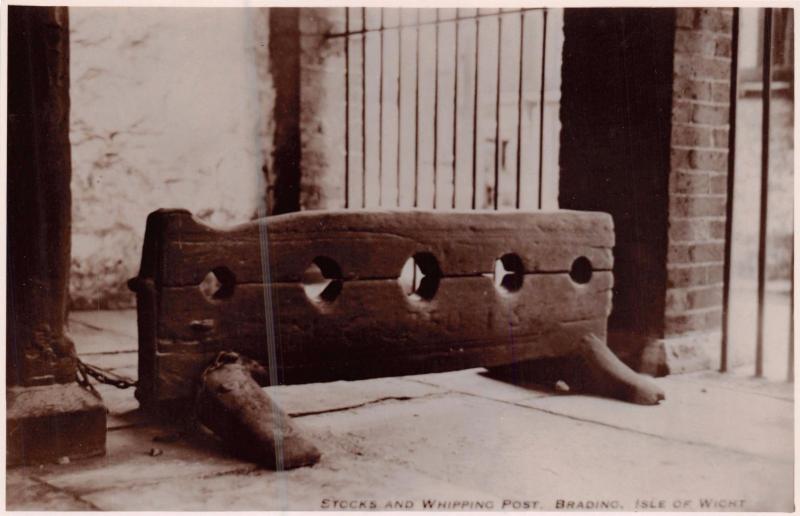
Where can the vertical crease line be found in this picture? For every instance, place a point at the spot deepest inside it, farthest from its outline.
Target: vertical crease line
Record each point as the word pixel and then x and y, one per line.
pixel 380 117
pixel 416 119
pixel 541 109
pixel 455 111
pixel 519 106
pixel 269 328
pixel 436 111
pixel 790 371
pixel 364 109
pixel 347 108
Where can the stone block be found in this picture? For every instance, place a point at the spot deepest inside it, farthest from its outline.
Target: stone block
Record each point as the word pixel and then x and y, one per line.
pixel 723 46
pixel 714 20
pixel 682 323
pixel 719 183
pixel 686 88
pixel 688 42
pixel 685 276
pixel 705 297
pixel 696 67
pixel 721 91
pixel 680 354
pixel 691 135
pixel 721 138
pixel 697 206
pixel 710 114
pixel 46 423
pixel 689 183
pixel 716 160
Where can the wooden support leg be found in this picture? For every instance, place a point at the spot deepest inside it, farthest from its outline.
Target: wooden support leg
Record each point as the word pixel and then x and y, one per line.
pixel 607 375
pixel 593 369
pixel 233 405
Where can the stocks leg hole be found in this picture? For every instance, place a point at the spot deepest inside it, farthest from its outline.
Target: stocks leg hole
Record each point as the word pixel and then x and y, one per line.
pixel 420 276
pixel 218 284
pixel 509 273
pixel 322 280
pixel 581 270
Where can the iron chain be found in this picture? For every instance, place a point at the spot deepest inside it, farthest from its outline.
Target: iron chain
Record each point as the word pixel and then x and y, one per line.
pixel 104 376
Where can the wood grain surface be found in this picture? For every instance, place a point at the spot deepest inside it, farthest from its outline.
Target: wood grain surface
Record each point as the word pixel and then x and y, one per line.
pixel 371 327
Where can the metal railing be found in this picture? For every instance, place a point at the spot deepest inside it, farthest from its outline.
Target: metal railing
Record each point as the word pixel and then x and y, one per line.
pixel 768 78
pixel 452 108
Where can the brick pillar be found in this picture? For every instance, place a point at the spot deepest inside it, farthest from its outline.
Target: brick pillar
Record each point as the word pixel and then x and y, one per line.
pixel 697 193
pixel 309 74
pixel 49 415
pixel 322 108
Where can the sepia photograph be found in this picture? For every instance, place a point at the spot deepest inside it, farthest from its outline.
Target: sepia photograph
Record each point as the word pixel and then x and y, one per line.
pixel 446 257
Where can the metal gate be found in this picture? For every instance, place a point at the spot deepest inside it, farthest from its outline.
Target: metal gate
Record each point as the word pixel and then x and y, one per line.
pixel 452 108
pixel 760 247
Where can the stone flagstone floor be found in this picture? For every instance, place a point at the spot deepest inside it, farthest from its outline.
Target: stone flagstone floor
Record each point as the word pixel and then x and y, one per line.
pixel 445 441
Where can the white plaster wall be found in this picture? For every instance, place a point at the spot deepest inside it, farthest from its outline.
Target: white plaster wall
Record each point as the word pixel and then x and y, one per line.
pixel 169 109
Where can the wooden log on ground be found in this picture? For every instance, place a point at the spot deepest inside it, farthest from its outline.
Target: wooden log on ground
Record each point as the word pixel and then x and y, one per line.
pixel 232 404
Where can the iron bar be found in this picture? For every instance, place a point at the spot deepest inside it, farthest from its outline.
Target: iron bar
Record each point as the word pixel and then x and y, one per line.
pixel 497 115
pixel 436 111
pixel 726 273
pixel 455 110
pixel 416 122
pixel 364 110
pixel 475 116
pixel 437 21
pixel 766 80
pixel 519 106
pixel 541 108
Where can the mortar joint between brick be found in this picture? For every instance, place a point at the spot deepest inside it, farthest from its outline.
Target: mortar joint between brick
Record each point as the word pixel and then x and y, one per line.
pixel 692 148
pixel 696 195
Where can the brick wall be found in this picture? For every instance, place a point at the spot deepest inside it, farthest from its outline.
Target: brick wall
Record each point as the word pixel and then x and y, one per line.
pixel 698 171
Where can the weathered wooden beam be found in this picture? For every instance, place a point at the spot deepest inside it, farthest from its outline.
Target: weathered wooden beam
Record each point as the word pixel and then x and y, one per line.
pixel 49 416
pixel 39 200
pixel 374 245
pixel 383 308
pixel 177 371
pixel 372 323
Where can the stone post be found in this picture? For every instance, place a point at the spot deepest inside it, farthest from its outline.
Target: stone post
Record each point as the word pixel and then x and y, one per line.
pixel 309 75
